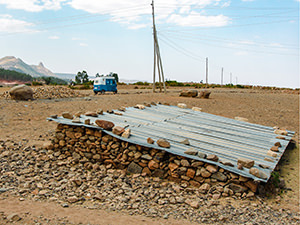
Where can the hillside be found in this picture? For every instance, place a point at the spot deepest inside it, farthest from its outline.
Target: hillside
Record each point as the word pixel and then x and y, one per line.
pixel 16 64
pixel 10 75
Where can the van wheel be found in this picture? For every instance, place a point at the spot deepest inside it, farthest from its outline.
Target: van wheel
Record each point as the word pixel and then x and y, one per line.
pixel 115 92
pixel 96 92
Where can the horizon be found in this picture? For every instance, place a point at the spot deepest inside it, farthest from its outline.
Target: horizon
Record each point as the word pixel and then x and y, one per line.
pixel 256 41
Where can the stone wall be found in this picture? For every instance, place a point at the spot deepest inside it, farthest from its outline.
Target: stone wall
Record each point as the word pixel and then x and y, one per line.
pixel 92 147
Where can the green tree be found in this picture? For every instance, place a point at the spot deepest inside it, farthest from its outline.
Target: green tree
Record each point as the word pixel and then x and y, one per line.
pixel 115 75
pixel 85 77
pixel 78 78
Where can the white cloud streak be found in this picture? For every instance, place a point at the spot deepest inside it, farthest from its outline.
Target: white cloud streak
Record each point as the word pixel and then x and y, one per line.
pixel 10 25
pixel 54 37
pixel 33 5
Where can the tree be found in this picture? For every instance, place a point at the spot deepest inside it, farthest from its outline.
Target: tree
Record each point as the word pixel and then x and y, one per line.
pixel 115 75
pixel 82 77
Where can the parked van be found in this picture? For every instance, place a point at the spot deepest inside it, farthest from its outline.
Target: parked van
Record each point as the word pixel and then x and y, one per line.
pixel 103 84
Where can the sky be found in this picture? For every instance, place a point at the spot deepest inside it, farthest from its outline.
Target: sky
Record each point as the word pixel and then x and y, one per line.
pixel 256 42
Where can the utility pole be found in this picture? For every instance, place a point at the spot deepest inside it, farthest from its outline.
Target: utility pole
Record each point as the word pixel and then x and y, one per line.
pixel 157 58
pixel 222 76
pixel 206 72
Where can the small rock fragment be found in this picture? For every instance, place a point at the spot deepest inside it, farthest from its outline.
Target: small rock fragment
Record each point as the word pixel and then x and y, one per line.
pixel 241 119
pixel 268 159
pixel 150 141
pixel 110 111
pixel 197 109
pixel 100 111
pixel 240 166
pixel 76 120
pixel 118 130
pixel 201 155
pixel 126 133
pixel 87 121
pixel 191 151
pixel 258 173
pixel 248 163
pixel 14 217
pixel 212 158
pixel 182 105
pixel 264 166
pixel 122 109
pixel 106 125
pixel 204 94
pixel 280 137
pixel 67 115
pixel 272 154
pixel 118 114
pixel 227 163
pixel 138 106
pixel 93 114
pixel 281 132
pixel 185 142
pixel 54 116
pixel 78 114
pixel 278 144
pixel 274 149
pixel 163 143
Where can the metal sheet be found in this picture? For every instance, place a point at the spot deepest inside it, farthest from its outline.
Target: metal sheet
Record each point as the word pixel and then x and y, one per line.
pixel 229 139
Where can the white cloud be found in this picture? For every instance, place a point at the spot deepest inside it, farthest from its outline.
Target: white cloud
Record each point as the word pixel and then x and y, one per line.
pixel 197 20
pixel 248 0
pixel 76 39
pixel 83 44
pixel 33 5
pixel 138 15
pixel 10 25
pixel 241 53
pixel 54 37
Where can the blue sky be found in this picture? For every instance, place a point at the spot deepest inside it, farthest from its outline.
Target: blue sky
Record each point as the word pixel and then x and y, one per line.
pixel 255 40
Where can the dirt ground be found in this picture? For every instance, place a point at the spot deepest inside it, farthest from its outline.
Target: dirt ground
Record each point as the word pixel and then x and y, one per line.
pixel 20 120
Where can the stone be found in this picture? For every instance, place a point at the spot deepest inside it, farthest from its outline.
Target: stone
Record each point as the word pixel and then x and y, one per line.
pixel 281 132
pixel 163 143
pixel 189 93
pixel 76 120
pixel 158 173
pixel 53 116
pixel 197 109
pixel 182 105
pixel 204 94
pixel 227 163
pixel 241 119
pixel 258 173
pixel 110 111
pixel 278 144
pixel 204 173
pixel 126 133
pixel 193 203
pixel 191 151
pixel 190 173
pixel 90 113
pixel 78 114
pixel 219 176
pixel 87 121
pixel 240 166
pixel 73 199
pixel 264 166
pixel 118 130
pixel 48 145
pixel 134 168
pixel 122 109
pixel 268 159
pixel 13 217
pixel 21 92
pixel 274 148
pixel 251 185
pixel 106 125
pixel 153 165
pixel 184 163
pixel 138 106
pixel 204 187
pixel 146 157
pixel 248 163
pixel 236 188
pixel 280 137
pixel 272 154
pixel 212 168
pixel 201 155
pixel 146 170
pixel 67 115
pixel 150 141
pixel 118 113
pixel 185 142
pixel 100 111
pixel 173 166
pixel 212 158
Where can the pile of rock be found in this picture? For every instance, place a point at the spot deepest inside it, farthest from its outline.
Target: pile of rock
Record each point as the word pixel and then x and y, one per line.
pixel 44 92
pixel 92 147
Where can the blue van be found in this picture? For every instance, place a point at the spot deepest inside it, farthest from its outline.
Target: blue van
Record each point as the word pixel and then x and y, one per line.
pixel 103 84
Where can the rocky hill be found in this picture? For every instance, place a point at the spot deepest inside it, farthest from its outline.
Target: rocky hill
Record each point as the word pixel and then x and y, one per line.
pixel 16 64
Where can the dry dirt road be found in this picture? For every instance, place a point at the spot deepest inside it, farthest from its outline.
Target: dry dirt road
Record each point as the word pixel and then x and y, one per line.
pixel 20 120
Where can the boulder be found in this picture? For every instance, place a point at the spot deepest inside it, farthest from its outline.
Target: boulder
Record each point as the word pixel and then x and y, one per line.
pixel 189 93
pixel 67 115
pixel 21 92
pixel 134 168
pixel 204 94
pixel 106 125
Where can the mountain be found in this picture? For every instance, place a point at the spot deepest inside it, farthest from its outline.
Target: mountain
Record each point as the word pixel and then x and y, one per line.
pixel 16 64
